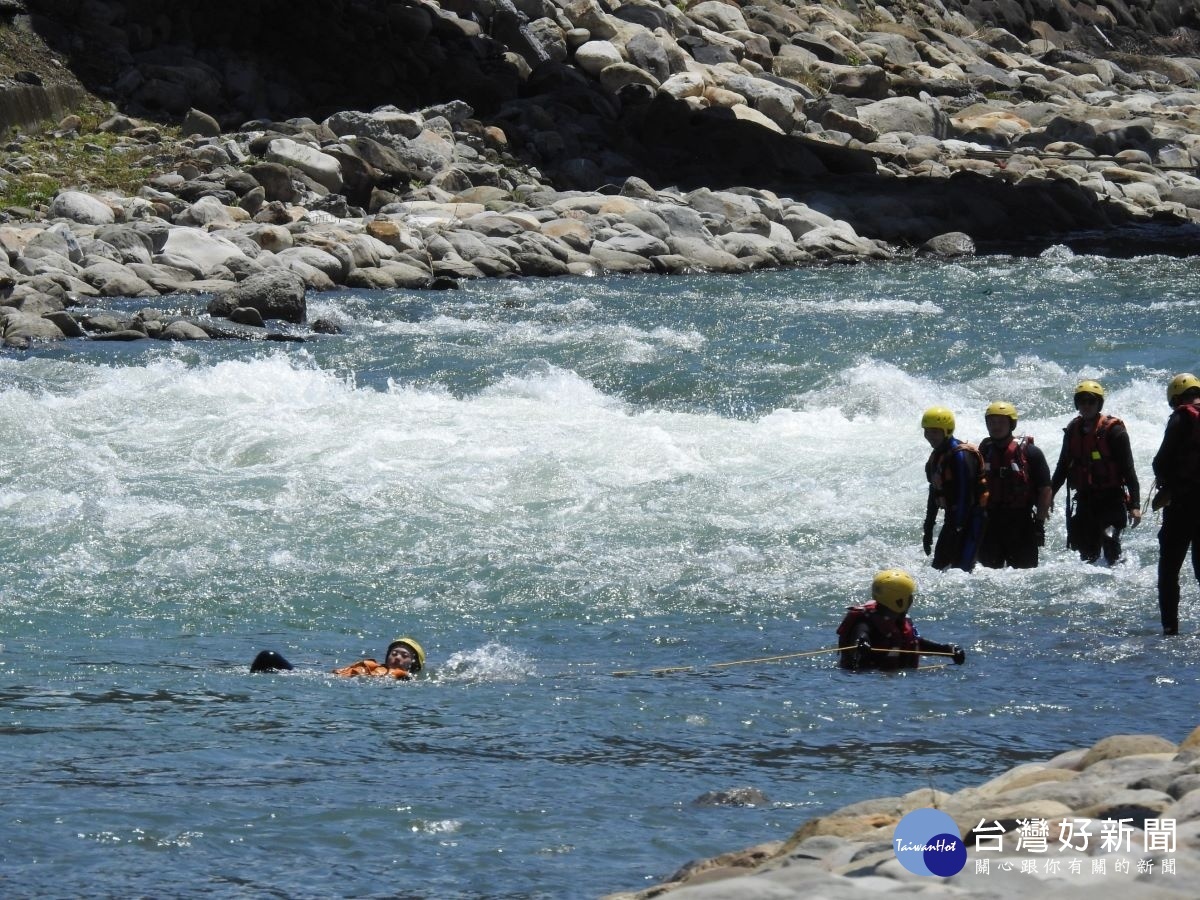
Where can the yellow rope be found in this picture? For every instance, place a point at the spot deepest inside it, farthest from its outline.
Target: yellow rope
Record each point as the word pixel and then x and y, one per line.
pixel 762 659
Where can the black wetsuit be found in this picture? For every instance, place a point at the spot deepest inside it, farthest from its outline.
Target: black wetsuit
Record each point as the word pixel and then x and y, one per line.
pixel 1098 465
pixel 1177 469
pixel 1016 477
pixel 956 484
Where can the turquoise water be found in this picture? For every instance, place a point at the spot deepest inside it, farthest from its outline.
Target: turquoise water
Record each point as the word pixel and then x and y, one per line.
pixel 546 482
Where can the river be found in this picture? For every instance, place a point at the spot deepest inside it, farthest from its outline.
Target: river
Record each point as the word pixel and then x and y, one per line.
pixel 547 481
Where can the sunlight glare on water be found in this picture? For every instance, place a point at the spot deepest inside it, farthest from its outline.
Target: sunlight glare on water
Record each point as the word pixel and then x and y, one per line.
pixel 547 482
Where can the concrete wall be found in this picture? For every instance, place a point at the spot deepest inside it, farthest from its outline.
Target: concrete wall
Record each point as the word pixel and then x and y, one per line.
pixel 25 105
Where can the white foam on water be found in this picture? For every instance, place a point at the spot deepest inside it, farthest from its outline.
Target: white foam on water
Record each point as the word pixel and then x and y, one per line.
pixel 493 662
pixel 272 465
pixel 872 307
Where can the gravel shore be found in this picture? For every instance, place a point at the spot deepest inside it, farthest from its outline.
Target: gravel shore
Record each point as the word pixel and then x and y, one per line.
pixel 1121 817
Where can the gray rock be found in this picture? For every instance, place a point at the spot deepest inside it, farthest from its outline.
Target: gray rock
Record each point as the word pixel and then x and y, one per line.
pixel 595 56
pixel 619 262
pixel 322 259
pixel 58 240
pixel 743 796
pixel 66 324
pixel 114 280
pixel 201 123
pixel 275 294
pixel 634 241
pixel 39 260
pixel 183 330
pixel 869 82
pixel 405 275
pixel 322 168
pixel 36 303
pixel 20 328
pixel 103 323
pixel 127 334
pixel 705 254
pixel 204 212
pixel 905 114
pixel 373 279
pixel 718 16
pixel 313 278
pixel 949 245
pixel 80 207
pixel 276 181
pixel 196 251
pixel 360 124
pixel 246 315
pixel 132 245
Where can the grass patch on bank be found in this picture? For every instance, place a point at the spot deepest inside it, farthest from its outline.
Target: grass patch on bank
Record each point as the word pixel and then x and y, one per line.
pixel 37 163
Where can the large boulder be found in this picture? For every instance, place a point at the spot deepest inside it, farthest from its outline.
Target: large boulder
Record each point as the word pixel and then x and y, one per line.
pixel 322 168
pixel 83 208
pixel 897 114
pixel 197 251
pixel 277 294
pixel 19 328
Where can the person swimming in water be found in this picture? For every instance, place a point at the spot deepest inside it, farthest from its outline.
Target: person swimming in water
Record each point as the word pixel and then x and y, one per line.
pixel 403 659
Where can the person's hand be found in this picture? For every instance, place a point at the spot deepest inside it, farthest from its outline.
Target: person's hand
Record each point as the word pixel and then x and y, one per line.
pixel 959 655
pixel 1135 516
pixel 927 541
pixel 864 646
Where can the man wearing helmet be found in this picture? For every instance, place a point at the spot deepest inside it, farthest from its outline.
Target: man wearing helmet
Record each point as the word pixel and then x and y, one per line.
pixel 880 635
pixel 403 659
pixel 1018 479
pixel 1096 462
pixel 957 485
pixel 1177 474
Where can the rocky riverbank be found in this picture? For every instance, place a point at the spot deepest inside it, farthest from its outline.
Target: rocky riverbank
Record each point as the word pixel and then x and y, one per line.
pixel 1121 817
pixel 634 137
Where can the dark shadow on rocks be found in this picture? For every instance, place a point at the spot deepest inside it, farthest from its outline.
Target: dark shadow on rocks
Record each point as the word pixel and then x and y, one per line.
pixel 273 59
pixel 910 211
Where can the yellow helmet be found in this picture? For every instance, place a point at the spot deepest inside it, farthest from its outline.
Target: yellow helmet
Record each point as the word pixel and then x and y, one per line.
pixel 1088 386
pixel 938 417
pixel 1179 385
pixel 411 644
pixel 1002 408
pixel 894 589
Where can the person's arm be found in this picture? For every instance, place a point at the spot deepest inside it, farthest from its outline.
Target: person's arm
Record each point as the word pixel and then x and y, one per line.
pixel 859 642
pixel 952 650
pixel 1168 451
pixel 1123 453
pixel 1062 468
pixel 1039 477
pixel 931 511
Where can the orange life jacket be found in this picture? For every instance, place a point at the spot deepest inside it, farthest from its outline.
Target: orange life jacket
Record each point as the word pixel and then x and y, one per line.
pixel 1007 469
pixel 371 669
pixel 1092 465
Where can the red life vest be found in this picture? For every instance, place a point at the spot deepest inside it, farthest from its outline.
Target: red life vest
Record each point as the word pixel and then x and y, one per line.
pixel 1007 469
pixel 885 633
pixel 1092 465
